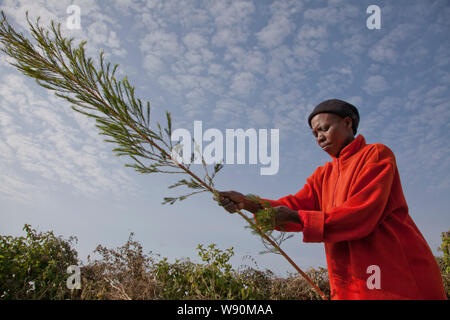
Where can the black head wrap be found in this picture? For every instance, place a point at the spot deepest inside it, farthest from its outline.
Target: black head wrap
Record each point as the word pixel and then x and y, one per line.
pixel 339 107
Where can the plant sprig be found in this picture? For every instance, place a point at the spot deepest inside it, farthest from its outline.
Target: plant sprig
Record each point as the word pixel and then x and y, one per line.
pixel 265 221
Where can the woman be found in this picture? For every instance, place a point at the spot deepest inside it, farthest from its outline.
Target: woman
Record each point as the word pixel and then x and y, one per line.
pixel 355 205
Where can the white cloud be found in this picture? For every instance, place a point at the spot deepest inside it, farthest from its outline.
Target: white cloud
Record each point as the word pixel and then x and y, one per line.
pixel 390 105
pixel 218 70
pixel 442 56
pixel 7 123
pixel 357 101
pixel 275 32
pixel 16 188
pixel 228 36
pixel 100 35
pixel 307 32
pixel 284 69
pixel 253 61
pixel 229 13
pixel 388 49
pixel 353 45
pixel 311 42
pixel 334 13
pixel 231 20
pixel 152 63
pixel 50 146
pixel 194 41
pixel 375 84
pixel 243 83
pixel 281 24
pixel 127 7
pixel 258 117
pixel 17 11
pixel 229 111
pixel 308 58
pixel 161 44
pixel 5 150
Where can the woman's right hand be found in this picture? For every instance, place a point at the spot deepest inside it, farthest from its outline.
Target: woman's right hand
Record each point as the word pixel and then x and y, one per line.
pixel 232 201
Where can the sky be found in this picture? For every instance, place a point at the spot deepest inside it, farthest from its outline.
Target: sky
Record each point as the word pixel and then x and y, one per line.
pixel 229 64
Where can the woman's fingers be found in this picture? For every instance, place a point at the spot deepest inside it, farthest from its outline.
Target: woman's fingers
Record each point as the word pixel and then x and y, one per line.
pixel 224 201
pixel 230 200
pixel 221 199
pixel 230 207
pixel 232 195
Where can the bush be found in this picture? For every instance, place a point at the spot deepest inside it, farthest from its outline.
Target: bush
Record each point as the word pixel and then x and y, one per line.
pixel 213 279
pixel 297 288
pixel 128 273
pixel 444 262
pixel 122 273
pixel 35 266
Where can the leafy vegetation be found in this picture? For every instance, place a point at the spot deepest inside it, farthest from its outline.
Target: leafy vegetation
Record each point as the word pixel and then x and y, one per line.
pixel 34 266
pixel 128 273
pixel 444 262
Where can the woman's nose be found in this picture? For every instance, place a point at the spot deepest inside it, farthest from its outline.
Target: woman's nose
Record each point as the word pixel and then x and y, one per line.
pixel 320 138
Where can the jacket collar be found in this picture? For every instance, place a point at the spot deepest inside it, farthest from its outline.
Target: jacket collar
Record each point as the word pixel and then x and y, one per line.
pixel 357 144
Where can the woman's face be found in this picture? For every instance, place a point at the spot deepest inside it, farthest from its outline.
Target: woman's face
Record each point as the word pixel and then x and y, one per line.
pixel 332 132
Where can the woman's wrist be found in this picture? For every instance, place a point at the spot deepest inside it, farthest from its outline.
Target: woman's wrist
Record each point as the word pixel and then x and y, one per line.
pixel 294 217
pixel 287 215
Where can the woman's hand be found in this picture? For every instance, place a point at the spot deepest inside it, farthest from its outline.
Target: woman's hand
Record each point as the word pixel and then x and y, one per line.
pixel 286 215
pixel 232 201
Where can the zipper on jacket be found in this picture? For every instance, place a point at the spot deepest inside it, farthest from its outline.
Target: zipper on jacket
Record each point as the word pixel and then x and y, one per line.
pixel 334 192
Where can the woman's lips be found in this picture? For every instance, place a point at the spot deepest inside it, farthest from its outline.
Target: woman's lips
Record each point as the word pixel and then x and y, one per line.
pixel 326 147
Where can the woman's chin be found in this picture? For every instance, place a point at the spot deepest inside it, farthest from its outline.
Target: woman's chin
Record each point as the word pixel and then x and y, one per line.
pixel 329 151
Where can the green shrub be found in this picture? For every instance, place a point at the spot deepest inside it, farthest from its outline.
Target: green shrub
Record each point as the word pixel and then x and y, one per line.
pixel 35 266
pixel 213 279
pixel 128 273
pixel 444 261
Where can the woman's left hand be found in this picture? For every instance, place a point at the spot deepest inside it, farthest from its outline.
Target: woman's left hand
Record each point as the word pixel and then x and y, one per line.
pixel 286 215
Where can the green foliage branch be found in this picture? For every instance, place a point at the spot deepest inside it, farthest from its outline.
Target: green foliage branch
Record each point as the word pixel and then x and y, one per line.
pixel 265 221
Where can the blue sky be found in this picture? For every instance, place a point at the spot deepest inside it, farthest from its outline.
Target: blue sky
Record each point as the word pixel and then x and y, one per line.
pixel 230 64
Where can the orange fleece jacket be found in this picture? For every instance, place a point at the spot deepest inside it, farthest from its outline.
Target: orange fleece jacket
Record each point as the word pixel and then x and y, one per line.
pixel 355 205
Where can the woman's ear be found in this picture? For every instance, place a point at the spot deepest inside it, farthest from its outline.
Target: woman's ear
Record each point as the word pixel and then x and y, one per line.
pixel 348 123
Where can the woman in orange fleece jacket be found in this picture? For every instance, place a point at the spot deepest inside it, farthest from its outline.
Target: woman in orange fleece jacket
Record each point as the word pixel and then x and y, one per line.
pixel 355 205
